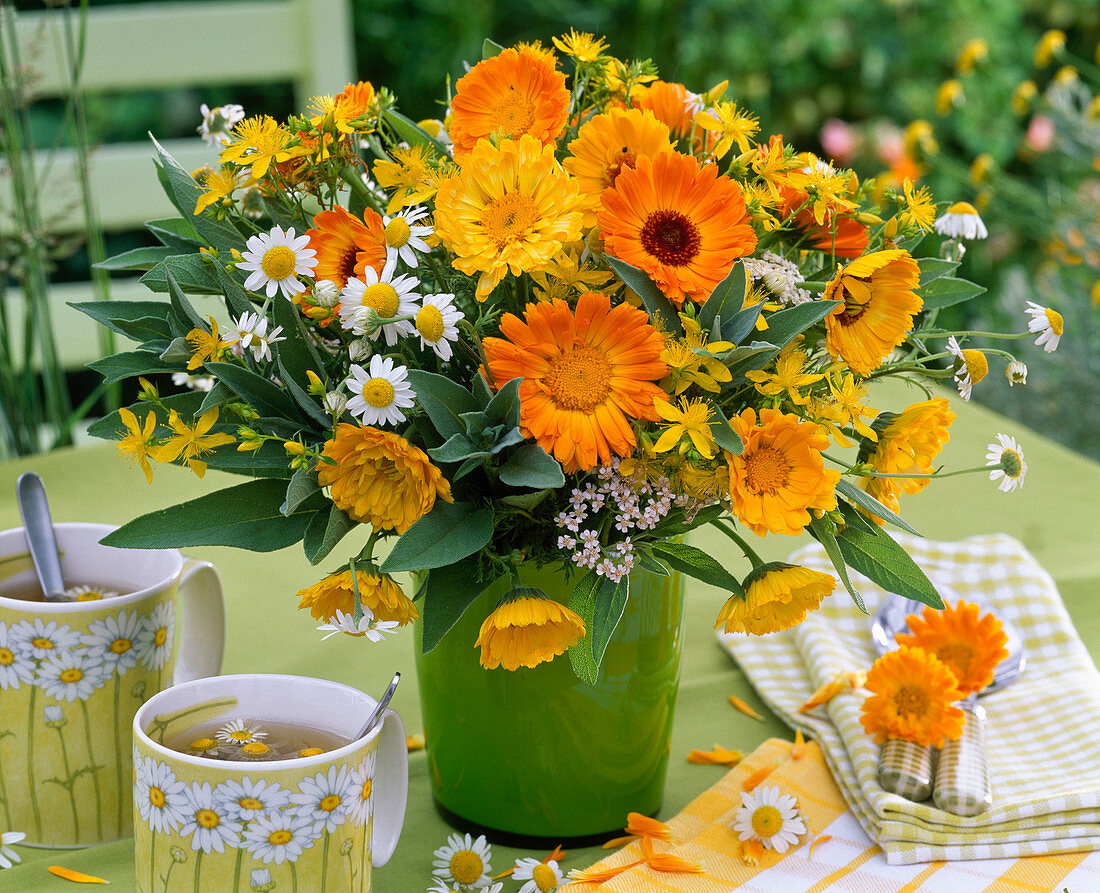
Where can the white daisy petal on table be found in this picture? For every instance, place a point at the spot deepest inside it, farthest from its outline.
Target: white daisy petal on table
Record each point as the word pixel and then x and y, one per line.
pixel 541 877
pixel 1048 323
pixel 8 856
pixel 464 862
pixel 437 323
pixel 404 237
pixel 1006 457
pixel 380 392
pixel 379 296
pixel 769 816
pixel 275 260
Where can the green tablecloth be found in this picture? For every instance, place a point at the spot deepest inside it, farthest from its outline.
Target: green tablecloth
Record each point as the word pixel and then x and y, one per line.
pixel 1055 515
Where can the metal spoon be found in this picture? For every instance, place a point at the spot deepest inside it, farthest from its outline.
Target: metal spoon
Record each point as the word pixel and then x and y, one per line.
pixel 38 530
pixel 372 720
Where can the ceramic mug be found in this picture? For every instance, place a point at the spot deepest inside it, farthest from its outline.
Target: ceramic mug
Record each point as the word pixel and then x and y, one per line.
pixel 72 675
pixel 315 823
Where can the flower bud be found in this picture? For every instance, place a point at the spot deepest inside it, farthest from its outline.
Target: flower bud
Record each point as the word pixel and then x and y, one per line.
pixel 294 448
pixel 326 293
pixel 335 403
pixel 360 349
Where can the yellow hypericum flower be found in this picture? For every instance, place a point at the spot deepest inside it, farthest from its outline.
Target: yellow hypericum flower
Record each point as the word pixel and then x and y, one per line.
pixel 1050 45
pixel 219 186
pixel 733 124
pixel 564 276
pixel 692 421
pixel 971 645
pixel 139 441
pixel 919 137
pixel 980 168
pixel 410 176
pixel 773 164
pixel 777 597
pixel 378 593
pixel 920 207
pixel 526 631
pixel 949 95
pixel 913 698
pixel 581 45
pixel 258 142
pixel 687 366
pixel 206 347
pixel 788 376
pixel 1022 95
pixel 191 441
pixel 828 190
pixel 849 396
pixel 974 51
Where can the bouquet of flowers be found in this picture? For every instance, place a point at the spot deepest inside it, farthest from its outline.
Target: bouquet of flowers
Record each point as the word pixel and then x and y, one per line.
pixel 583 314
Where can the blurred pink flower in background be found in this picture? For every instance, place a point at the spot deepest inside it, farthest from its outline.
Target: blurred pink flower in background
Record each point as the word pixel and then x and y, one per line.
pixel 839 140
pixel 889 143
pixel 1040 134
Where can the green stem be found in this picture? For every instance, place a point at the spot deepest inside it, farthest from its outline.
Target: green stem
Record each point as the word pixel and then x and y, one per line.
pixel 935 474
pixel 293 878
pixel 237 869
pixel 357 608
pixel 733 535
pixel 69 778
pixel 350 175
pixel 198 871
pixel 1004 336
pixel 3 785
pixel 324 862
pixel 119 781
pixel 153 861
pixel 30 767
pixel 94 771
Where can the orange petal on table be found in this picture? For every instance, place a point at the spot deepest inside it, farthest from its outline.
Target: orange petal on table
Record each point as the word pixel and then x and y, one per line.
pixel 643 826
pixel 751 851
pixel 821 839
pixel 600 875
pixel 556 855
pixel 799 748
pixel 745 708
pixel 674 864
pixel 831 689
pixel 619 841
pixel 75 876
pixel 718 755
pixel 415 742
pixel 758 776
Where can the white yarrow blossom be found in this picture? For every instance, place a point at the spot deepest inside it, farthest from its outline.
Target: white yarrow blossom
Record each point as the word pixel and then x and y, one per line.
pixel 368 627
pixel 961 221
pixel 217 122
pixel 250 331
pixel 1006 458
pixel 1047 322
pixel 437 323
pixel 404 236
pixel 378 297
pixel 769 816
pixel 380 392
pixel 275 260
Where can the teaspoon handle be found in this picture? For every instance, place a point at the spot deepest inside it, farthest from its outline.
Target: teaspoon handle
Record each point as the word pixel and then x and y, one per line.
pixel 907 769
pixel 372 720
pixel 962 778
pixel 38 529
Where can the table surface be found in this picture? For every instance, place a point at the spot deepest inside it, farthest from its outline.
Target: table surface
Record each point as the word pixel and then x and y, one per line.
pixel 1054 514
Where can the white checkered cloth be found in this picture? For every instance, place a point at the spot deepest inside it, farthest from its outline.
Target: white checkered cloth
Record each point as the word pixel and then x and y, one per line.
pixel 1043 730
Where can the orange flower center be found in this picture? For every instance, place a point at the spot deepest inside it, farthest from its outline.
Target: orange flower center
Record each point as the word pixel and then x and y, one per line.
pixel 279 838
pixel 579 380
pixel 71 675
pixel 509 217
pixel 515 114
pixel 958 656
pixel 249 803
pixel 544 878
pixel 156 797
pixel 766 470
pixel 383 298
pixel 206 818
pixel 625 158
pixel 7 657
pixel 329 803
pixel 911 701
pixel 121 646
pixel 42 643
pixel 278 262
pixel 670 237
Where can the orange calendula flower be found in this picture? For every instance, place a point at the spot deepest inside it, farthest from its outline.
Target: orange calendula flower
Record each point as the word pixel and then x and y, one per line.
pixel 526 631
pixel 511 207
pixel 380 478
pixel 780 476
pixel 970 645
pixel 913 696
pixel 716 756
pixel 346 245
pixel 611 142
pixel 352 108
pixel 878 291
pixel 777 597
pixel 378 593
pixel 512 94
pixel 682 224
pixel 675 106
pixel 191 441
pixel 583 374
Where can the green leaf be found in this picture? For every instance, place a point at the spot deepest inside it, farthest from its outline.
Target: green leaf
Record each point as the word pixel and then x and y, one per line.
pixel 785 325
pixel 448 533
pixel 867 501
pixel 662 315
pixel 741 324
pixel 128 365
pixel 236 298
pixel 136 259
pixel 743 359
pixel 216 396
pixel 883 561
pixel 607 611
pixel 175 232
pixel 269 461
pixel 509 438
pixel 449 591
pixel 176 352
pixel 297 351
pixel 697 563
pixel 139 320
pixel 263 395
pixel 490 48
pixel 457 449
pixel 530 466
pixel 723 434
pixel 414 134
pixel 301 487
pixel 526 501
pixel 648 563
pixel 932 268
pixel 583 603
pixel 726 299
pixel 856 519
pixel 246 516
pixel 482 392
pixel 302 397
pixel 947 291
pixel 326 528
pixel 185 313
pixel 190 272
pixel 443 400
pixel 111 427
pixel 503 409
pixel 822 529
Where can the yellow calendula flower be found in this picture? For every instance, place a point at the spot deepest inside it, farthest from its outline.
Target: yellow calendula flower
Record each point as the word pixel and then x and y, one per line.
pixel 378 593
pixel 949 95
pixel 688 425
pixel 608 143
pixel 527 630
pixel 733 125
pixel 777 597
pixel 920 207
pixel 581 45
pixel 410 176
pixel 258 142
pixel 1050 45
pixel 788 376
pixel 190 442
pixel 973 51
pixel 206 347
pixel 138 442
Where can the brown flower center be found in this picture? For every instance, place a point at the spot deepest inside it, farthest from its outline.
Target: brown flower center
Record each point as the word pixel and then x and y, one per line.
pixel 346 265
pixel 766 470
pixel 509 217
pixel 911 701
pixel 623 158
pixel 958 656
pixel 580 379
pixel 671 238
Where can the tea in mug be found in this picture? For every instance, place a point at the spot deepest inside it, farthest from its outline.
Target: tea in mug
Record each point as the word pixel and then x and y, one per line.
pixel 79 592
pixel 248 740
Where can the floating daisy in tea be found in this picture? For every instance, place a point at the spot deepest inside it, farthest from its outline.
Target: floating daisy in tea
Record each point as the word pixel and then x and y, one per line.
pixel 240 732
pixel 247 740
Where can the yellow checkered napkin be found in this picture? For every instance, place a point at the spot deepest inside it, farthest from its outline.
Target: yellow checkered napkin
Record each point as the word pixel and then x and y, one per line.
pixel 1042 730
pixel 844 858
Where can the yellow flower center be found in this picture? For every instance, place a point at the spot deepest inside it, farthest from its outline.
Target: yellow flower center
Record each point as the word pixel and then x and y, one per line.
pixel 156 797
pixel 121 646
pixel 241 735
pixel 249 803
pixel 958 656
pixel 515 115
pixel 615 166
pixel 202 744
pixel 1055 320
pixel 429 323
pixel 579 380
pixel 280 838
pixel 911 701
pixel 378 392
pixel 977 366
pixel 466 867
pixel 310 751
pixel 397 233
pixel 544 878
pixel 766 820
pixel 42 643
pixel 255 749
pixel 206 818
pixel 278 262
pixel 7 657
pixel 509 217
pixel 71 675
pixel 89 596
pixel 329 803
pixel 766 470
pixel 670 237
pixel 1011 464
pixel 161 636
pixel 383 298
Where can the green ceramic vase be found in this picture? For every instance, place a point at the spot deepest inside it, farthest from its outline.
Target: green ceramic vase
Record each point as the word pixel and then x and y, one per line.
pixel 538 753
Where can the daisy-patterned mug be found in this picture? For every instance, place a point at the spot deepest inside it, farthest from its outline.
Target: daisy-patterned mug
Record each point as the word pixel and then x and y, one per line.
pixel 72 675
pixel 301 825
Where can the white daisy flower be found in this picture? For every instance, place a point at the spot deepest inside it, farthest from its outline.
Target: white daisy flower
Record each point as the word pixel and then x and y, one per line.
pixel 326 798
pixel 193 382
pixel 276 259
pixel 72 675
pixel 8 856
pixel 439 886
pixel 961 221
pixel 362 785
pixel 769 816
pixel 89 593
pixel 206 822
pixel 464 862
pixel 364 302
pixel 404 237
pixel 374 630
pixel 16 664
pixel 217 122
pixel 1016 373
pixel 250 331
pixel 38 639
pixel 437 323
pixel 335 403
pixel 1046 321
pixel 240 732
pixel 541 877
pixel 113 640
pixel 970 366
pixel 380 392
pixel 246 799
pixel 154 642
pixel 159 796
pixel 1006 458
pixel 280 837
